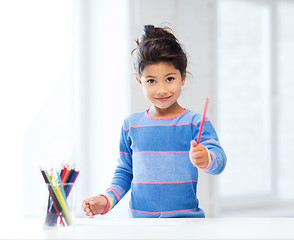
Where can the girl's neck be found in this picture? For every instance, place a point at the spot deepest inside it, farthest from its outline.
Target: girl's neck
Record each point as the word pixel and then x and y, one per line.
pixel 172 111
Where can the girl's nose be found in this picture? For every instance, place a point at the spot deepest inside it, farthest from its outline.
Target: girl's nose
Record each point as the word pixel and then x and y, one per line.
pixel 162 89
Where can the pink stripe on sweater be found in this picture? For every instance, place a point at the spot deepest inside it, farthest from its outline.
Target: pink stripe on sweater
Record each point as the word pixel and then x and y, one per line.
pixel 209 140
pixel 125 152
pixel 119 187
pixel 165 182
pixel 185 210
pixel 115 193
pixel 161 152
pixel 164 125
pixel 160 125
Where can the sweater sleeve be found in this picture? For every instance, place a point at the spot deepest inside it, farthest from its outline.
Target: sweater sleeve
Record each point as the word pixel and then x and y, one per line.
pixel 210 140
pixel 123 174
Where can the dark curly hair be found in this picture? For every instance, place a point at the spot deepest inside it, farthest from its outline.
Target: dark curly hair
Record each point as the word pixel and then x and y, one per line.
pixel 158 45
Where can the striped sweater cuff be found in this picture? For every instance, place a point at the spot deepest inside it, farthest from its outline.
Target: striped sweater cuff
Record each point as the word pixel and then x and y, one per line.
pixel 109 204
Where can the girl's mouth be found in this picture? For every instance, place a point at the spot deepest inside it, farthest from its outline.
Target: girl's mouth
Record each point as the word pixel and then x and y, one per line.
pixel 162 99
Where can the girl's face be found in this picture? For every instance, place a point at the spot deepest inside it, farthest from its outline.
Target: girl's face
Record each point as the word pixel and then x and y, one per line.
pixel 162 84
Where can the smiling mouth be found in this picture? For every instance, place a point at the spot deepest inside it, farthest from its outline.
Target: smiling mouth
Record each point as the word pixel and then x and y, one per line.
pixel 162 99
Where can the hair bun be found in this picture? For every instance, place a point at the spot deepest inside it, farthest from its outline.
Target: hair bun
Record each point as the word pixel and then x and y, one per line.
pixel 148 27
pixel 152 32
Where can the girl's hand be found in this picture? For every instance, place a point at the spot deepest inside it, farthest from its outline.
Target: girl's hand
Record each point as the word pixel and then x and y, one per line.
pixel 94 205
pixel 198 155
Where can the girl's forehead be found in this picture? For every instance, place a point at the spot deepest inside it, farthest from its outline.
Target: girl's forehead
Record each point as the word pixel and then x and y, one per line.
pixel 160 68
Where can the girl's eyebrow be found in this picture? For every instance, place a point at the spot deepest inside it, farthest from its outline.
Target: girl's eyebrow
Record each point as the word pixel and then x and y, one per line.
pixel 172 73
pixel 149 76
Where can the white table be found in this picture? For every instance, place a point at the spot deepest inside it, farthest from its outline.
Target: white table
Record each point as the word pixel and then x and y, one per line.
pixel 209 228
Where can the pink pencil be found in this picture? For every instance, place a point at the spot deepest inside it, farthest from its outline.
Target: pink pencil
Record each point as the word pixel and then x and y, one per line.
pixel 202 121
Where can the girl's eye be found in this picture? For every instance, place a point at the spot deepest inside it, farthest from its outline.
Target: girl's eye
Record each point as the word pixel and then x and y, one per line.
pixel 169 79
pixel 151 81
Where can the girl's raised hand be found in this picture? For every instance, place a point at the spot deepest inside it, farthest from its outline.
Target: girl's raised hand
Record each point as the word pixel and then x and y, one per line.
pixel 94 205
pixel 198 155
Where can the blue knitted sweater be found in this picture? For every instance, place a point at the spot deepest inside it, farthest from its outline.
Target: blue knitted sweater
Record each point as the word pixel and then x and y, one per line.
pixel 154 163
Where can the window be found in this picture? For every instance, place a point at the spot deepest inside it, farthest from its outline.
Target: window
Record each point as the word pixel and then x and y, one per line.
pixel 255 45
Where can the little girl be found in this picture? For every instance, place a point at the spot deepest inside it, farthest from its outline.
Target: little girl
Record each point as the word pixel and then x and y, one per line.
pixel 159 157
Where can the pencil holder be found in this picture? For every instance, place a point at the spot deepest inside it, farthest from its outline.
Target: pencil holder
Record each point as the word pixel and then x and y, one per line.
pixel 59 205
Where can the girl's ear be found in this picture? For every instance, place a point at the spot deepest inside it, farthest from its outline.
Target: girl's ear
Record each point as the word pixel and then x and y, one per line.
pixel 184 78
pixel 138 80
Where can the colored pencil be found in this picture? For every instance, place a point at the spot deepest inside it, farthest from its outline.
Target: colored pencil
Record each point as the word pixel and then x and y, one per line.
pixel 54 200
pixel 54 217
pixel 60 185
pixel 63 171
pixel 66 175
pixel 56 196
pixel 72 177
pixel 61 200
pixel 202 121
pixel 72 171
pixel 72 181
pixel 77 174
